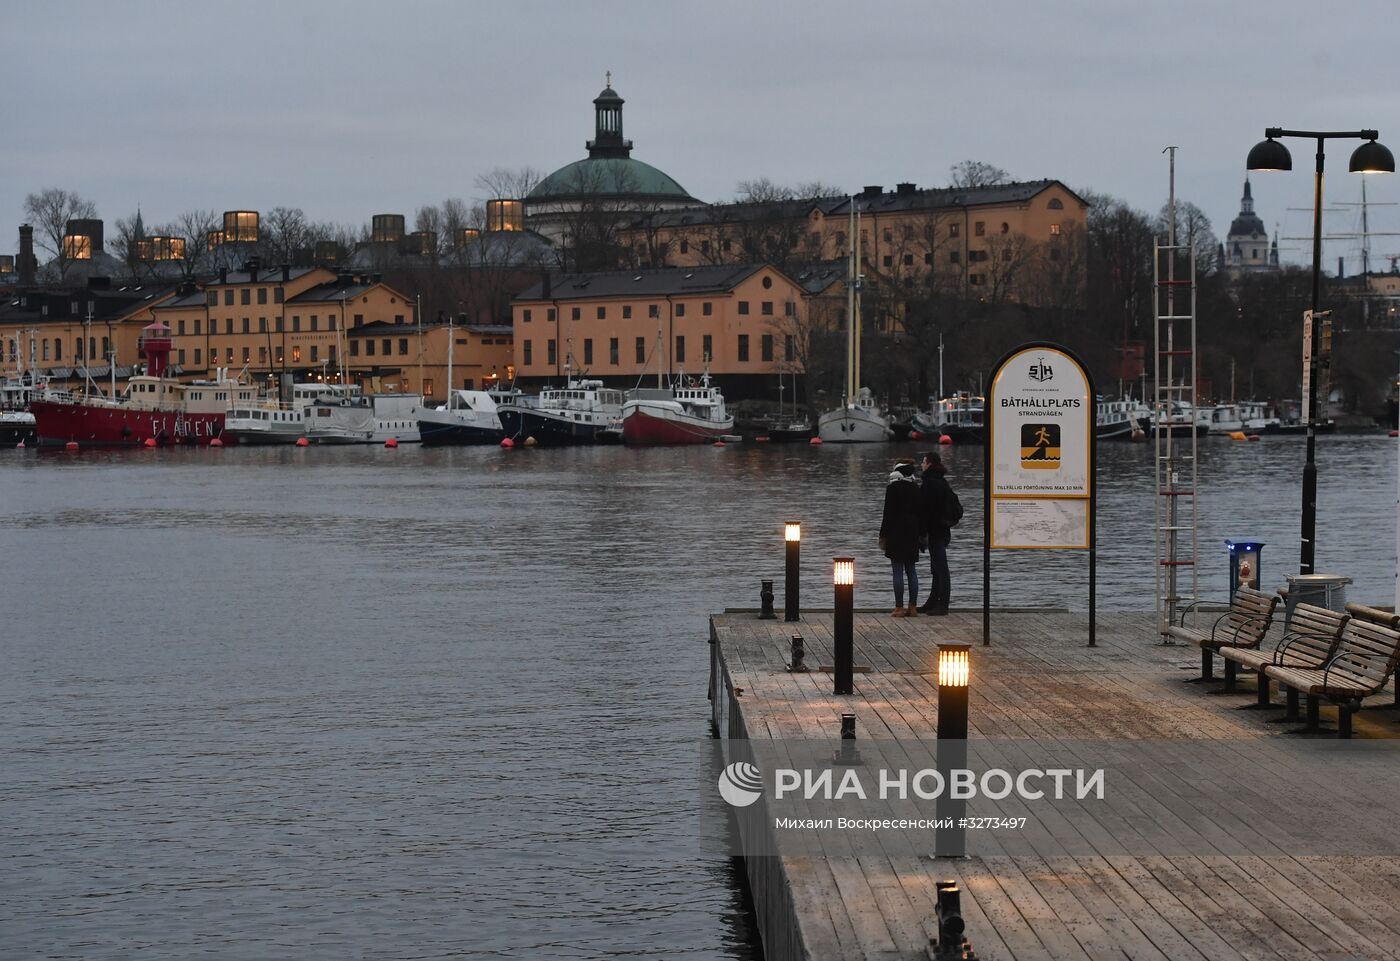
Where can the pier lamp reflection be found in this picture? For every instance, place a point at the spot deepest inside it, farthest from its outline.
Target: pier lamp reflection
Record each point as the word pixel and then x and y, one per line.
pixel 843 577
pixel 954 676
pixel 792 538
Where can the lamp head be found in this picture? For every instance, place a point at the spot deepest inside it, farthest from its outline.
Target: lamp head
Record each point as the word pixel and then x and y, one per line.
pixel 1372 158
pixel 954 665
pixel 843 572
pixel 792 531
pixel 1269 155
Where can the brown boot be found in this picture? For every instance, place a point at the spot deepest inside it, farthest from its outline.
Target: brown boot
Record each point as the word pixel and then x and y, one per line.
pixel 911 611
pixel 897 612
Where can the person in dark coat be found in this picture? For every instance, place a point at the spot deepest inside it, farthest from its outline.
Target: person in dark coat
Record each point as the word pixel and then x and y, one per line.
pixel 901 529
pixel 936 497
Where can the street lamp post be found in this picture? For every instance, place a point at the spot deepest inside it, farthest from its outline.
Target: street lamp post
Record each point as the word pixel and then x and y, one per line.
pixel 1370 157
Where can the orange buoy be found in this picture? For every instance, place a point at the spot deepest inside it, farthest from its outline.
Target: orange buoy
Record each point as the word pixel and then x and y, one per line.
pixel 1395 433
pixel 150 442
pixel 392 442
pixel 761 439
pixel 303 442
pixel 71 445
pixel 215 442
pixel 718 443
pixel 20 445
pixel 815 441
pixel 915 435
pixel 944 439
pixel 507 443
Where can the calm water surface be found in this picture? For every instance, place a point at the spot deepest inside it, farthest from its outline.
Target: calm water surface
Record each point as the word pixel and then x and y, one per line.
pixel 337 702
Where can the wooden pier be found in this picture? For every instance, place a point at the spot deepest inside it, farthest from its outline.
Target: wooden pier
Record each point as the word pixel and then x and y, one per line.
pixel 1037 680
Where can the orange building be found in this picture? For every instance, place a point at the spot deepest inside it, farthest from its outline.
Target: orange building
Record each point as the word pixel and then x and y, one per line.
pixel 385 356
pixel 742 322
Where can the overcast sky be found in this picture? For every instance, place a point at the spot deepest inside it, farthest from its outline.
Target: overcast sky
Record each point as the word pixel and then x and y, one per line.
pixel 353 108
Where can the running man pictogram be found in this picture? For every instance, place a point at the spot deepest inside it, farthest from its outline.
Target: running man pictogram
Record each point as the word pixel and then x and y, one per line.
pixel 1040 446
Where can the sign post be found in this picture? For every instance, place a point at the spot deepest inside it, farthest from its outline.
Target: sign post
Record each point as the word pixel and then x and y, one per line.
pixel 1040 462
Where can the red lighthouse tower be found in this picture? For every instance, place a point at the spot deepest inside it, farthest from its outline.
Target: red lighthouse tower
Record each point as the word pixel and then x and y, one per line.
pixel 155 345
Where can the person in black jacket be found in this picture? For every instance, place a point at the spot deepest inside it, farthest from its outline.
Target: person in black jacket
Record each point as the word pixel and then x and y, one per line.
pixel 901 529
pixel 936 497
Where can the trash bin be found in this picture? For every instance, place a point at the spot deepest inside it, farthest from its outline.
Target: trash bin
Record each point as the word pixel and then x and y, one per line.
pixel 1244 564
pixel 1320 590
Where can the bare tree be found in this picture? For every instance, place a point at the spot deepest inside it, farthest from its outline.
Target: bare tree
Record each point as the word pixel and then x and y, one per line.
pixel 49 211
pixel 1193 230
pixel 975 173
pixel 285 231
pixel 508 184
pixel 124 243
pixel 193 227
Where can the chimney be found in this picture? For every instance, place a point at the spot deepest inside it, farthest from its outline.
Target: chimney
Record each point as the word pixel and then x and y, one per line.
pixel 376 278
pixel 28 267
pixel 223 275
pixel 344 279
pixel 873 191
pixel 286 272
pixel 1341 268
pixel 904 189
pixel 546 286
pixel 99 283
pixel 251 266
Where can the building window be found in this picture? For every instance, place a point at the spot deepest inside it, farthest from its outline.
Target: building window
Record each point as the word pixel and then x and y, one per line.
pixel 181 354
pixel 354 348
pixel 641 350
pixel 626 311
pixel 403 346
pixel 528 354
pixel 707 308
pixel 315 323
pixel 743 307
pixel 279 325
pixel 388 346
pixel 789 308
pixel 527 315
pixel 196 357
pixel 743 347
pixel 1055 204
pixel 279 354
pixel 724 246
pixel 765 347
pixel 360 319
pixel 653 310
pixel 612 351
pixel 704 246
pixel 549 314
pixel 369 348
pixel 928 260
pixel 575 313
pixel 262 325
pixel 588 351
pixel 296 353
pixel 1054 230
pixel 180 328
pixel 277 295
pixel 228 326
pixel 954 257
pixel 196 326
pixel 707 345
pixel 888 236
pixel 245 296
pixel 228 298
pixel 977 280
pixel 953 229
pixel 685 246
pixel 245 325
pixel 766 308
pixel 789 348
pixel 602 313
pixel 889 261
pixel 908 260
pixel 551 352
pixel 262 295
pixel 980 228
pixel 212 298
pixel 680 349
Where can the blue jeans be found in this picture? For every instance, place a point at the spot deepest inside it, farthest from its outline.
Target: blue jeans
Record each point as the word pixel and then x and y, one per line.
pixel 902 570
pixel 942 587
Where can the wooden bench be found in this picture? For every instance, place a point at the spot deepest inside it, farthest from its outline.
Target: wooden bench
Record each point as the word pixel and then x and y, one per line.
pixel 1244 625
pixel 1367 655
pixel 1312 639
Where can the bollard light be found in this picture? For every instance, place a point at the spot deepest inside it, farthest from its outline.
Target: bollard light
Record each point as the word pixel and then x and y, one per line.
pixel 847 753
pixel 792 539
pixel 799 655
pixel 950 943
pixel 843 577
pixel 954 676
pixel 765 600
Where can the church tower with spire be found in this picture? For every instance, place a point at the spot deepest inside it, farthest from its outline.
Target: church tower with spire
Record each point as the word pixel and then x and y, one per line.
pixel 1247 246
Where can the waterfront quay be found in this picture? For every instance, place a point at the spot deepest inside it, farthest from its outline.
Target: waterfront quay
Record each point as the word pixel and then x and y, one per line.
pixel 1179 862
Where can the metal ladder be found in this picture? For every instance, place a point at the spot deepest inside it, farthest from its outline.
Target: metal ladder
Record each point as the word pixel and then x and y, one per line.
pixel 1174 399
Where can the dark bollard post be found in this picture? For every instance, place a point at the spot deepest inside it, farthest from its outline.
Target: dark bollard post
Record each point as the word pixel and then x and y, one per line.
pixel 950 943
pixel 954 675
pixel 792 537
pixel 799 655
pixel 847 753
pixel 843 632
pixel 765 600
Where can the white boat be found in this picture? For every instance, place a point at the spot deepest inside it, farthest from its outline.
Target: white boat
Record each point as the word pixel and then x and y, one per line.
pixel 1118 419
pixel 281 422
pixel 364 419
pixel 693 413
pixel 468 417
pixel 1258 417
pixel 581 412
pixel 859 419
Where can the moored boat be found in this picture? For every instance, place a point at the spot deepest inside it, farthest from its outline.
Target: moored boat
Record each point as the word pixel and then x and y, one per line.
pixel 17 427
pixel 1118 419
pixel 362 419
pixel 153 407
pixel 273 422
pixel 581 412
pixel 859 422
pixel 691 414
pixel 468 417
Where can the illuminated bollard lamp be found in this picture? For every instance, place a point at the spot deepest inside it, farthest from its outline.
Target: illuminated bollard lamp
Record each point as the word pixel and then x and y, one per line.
pixel 954 675
pixel 847 753
pixel 950 945
pixel 796 664
pixel 843 578
pixel 765 600
pixel 792 538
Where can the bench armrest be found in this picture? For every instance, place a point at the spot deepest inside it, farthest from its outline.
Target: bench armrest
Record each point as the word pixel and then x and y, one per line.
pixel 1192 606
pixel 1243 624
pixel 1352 655
pixel 1293 637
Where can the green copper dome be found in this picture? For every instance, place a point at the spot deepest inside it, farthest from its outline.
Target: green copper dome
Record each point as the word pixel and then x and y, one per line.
pixel 609 176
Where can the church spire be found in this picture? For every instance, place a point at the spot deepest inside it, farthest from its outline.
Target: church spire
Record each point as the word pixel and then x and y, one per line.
pixel 607 127
pixel 1247 201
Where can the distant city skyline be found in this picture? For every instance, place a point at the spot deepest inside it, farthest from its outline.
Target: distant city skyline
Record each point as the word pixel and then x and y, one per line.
pixel 352 109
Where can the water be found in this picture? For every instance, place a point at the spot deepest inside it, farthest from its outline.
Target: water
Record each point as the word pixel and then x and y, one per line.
pixel 353 702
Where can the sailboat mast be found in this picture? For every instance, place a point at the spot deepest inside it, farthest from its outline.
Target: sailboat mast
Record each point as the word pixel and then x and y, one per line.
pixel 855 318
pixel 850 302
pixel 451 342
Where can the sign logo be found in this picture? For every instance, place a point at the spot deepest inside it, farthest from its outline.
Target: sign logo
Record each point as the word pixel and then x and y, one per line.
pixel 1040 446
pixel 740 784
pixel 1040 371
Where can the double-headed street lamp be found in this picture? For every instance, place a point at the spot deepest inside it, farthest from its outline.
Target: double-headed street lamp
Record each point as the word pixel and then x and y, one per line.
pixel 1370 157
